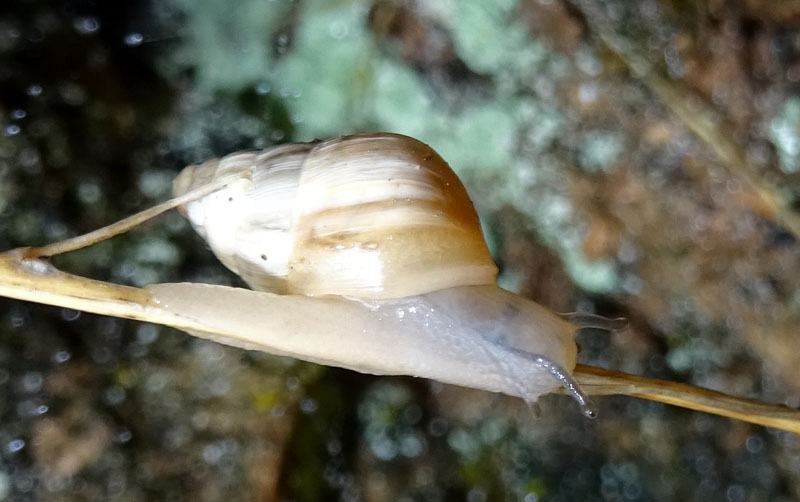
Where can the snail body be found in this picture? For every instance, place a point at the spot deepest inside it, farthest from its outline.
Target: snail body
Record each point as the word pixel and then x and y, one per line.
pixel 366 253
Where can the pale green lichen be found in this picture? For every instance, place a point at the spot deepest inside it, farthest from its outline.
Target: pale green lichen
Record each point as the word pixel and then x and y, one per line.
pixel 599 151
pixel 397 101
pixel 784 131
pixel 225 46
pixel 486 35
pixel 334 79
pixel 326 73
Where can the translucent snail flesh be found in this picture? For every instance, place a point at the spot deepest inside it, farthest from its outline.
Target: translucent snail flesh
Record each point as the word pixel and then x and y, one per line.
pixel 369 255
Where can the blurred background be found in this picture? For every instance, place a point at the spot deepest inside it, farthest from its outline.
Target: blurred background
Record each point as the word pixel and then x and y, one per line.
pixel 634 159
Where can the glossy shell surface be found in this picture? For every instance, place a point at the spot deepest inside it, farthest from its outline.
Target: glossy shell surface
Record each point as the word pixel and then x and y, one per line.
pixel 367 216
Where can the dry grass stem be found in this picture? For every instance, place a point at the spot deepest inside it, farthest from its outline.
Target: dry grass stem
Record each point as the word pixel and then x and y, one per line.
pixel 600 381
pixel 38 281
pixel 695 114
pixel 125 224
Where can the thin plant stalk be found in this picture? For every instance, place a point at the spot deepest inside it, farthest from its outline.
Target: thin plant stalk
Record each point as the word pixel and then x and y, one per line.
pixel 38 281
pixel 695 115
pixel 125 224
pixel 600 381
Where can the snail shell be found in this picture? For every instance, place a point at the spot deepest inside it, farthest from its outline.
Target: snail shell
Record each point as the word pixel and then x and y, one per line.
pixel 354 216
pixel 373 259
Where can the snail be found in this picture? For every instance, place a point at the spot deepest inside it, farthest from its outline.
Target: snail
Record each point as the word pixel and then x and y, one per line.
pixel 370 256
pixel 365 253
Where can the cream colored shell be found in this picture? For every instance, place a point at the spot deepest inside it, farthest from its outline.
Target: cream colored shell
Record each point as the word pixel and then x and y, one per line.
pixel 369 215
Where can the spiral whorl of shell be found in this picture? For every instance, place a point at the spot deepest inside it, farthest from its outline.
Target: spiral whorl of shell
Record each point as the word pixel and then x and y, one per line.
pixel 370 216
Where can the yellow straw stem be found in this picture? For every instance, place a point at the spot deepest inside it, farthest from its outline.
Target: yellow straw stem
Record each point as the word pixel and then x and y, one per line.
pixel 600 381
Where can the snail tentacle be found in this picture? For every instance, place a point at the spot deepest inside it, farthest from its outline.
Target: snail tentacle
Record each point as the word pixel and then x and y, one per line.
pixel 563 376
pixel 588 320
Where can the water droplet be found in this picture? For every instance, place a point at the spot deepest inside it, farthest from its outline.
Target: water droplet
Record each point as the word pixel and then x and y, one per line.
pixel 32 382
pixel 754 444
pixel 88 192
pixel 15 445
pixel 589 409
pixel 133 39
pixel 70 314
pixel 86 25
pixel 282 43
pixel 338 30
pixel 292 383
pixel 72 94
pixel 212 453
pixel 34 90
pixel 18 114
pixel 115 395
pixel 308 405
pixel 437 427
pixel 146 334
pixel 11 130
pixel 587 93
